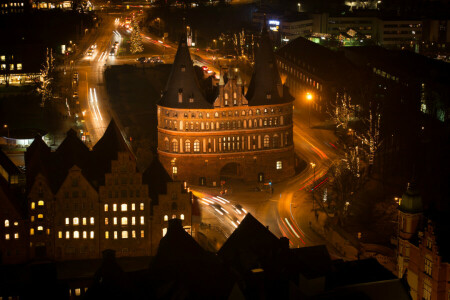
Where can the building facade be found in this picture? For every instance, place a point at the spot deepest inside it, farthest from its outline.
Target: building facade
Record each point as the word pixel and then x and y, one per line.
pixel 80 202
pixel 232 135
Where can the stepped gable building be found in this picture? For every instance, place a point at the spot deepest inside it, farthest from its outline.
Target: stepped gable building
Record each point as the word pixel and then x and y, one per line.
pixel 80 202
pixel 233 135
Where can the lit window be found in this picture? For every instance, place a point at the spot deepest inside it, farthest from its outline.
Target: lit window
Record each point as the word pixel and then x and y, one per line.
pixel 16 223
pixel 40 228
pixel 84 234
pixel 115 235
pixel 133 206
pixel 115 221
pixel 48 231
pixel 16 235
pixel 60 234
pixel 166 218
pixel 77 292
pixel 133 220
pixel 33 206
pixel 19 66
pixel 279 165
pixel 31 231
pixel 84 221
pixel 92 220
pixel 76 234
pixel 142 233
pixel 141 206
pixel 428 265
pixel 67 221
pixel 174 170
pixel 182 216
pixel 40 216
pixel 427 289
pixel 3 67
pixel 92 234
pixel 123 207
pixel 2 58
pixel 196 146
pixel 106 221
pixel 6 223
pixel 266 141
pixel 133 234
pixel 67 234
pixel 32 218
pixel 41 203
pixel 124 221
pixel 106 207
pixel 174 216
pixel 142 220
pixel 114 207
pixel 7 236
pixel 76 221
pixel 164 231
pixel 11 67
pixel 124 234
pixel 106 234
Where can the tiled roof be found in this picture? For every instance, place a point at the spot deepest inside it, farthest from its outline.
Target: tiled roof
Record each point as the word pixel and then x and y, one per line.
pixel 265 85
pixel 184 81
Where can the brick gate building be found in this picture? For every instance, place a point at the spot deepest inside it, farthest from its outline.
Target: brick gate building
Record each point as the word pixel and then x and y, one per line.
pixel 231 135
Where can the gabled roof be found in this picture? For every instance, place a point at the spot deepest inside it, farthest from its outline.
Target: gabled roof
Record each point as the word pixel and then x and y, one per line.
pixel 37 160
pixel 108 147
pixel 250 241
pixel 182 79
pixel 8 165
pixel 265 79
pixel 156 177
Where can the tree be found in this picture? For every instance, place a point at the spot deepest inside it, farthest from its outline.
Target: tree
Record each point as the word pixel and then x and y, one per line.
pixel 343 184
pixel 136 38
pixel 340 111
pixel 44 87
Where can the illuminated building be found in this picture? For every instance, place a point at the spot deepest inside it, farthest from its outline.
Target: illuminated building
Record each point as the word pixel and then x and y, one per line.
pixel 232 134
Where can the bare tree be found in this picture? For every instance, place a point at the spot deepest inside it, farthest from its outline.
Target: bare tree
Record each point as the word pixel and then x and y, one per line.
pixel 44 87
pixel 340 111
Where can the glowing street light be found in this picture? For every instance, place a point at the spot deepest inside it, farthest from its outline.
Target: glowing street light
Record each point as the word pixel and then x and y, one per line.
pixel 309 97
pixel 7 128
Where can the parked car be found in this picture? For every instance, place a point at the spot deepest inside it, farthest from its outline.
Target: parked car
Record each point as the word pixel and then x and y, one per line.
pixel 141 59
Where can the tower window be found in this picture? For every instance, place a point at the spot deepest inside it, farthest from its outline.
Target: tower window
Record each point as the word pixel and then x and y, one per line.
pixel 123 207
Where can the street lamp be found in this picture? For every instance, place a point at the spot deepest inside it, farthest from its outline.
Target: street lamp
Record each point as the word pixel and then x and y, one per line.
pixel 313 166
pixel 7 128
pixel 309 97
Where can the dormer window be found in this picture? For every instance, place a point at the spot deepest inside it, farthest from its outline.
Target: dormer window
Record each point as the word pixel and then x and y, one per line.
pixel 191 100
pixel 180 96
pixel 183 68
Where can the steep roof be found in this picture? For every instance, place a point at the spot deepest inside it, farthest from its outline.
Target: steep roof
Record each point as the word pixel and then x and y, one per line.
pixel 182 79
pixel 37 160
pixel 156 177
pixel 265 79
pixel 249 243
pixel 108 147
pixel 411 200
pixel 8 165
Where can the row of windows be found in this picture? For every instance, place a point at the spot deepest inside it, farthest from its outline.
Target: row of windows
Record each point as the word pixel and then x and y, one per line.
pixel 166 217
pixel 301 76
pixel 39 229
pixel 40 203
pixel 124 207
pixel 8 236
pixel 224 113
pixel 124 234
pixel 229 143
pixel 124 221
pixel 76 221
pixel 7 223
pixel 123 180
pixel 12 4
pixel 196 126
pixel 11 67
pixel 76 234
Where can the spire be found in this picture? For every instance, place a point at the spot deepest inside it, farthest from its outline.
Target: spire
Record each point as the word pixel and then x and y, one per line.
pixel 265 85
pixel 182 89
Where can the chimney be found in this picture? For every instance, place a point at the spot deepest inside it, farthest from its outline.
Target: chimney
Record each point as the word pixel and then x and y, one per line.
pixel 284 243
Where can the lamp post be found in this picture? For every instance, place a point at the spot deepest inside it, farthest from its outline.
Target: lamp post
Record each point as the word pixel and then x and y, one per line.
pixel 313 166
pixel 7 128
pixel 309 97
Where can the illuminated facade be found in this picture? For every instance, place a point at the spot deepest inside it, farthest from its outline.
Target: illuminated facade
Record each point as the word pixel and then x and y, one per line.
pixel 232 135
pixel 81 202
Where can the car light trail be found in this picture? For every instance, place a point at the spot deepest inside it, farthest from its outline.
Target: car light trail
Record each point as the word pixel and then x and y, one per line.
pixel 91 104
pixel 292 229
pixel 96 105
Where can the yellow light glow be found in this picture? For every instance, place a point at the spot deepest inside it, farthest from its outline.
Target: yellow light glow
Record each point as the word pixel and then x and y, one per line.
pixel 309 96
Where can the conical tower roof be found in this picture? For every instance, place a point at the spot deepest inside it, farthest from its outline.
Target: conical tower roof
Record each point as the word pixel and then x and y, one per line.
pixel 184 81
pixel 265 85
